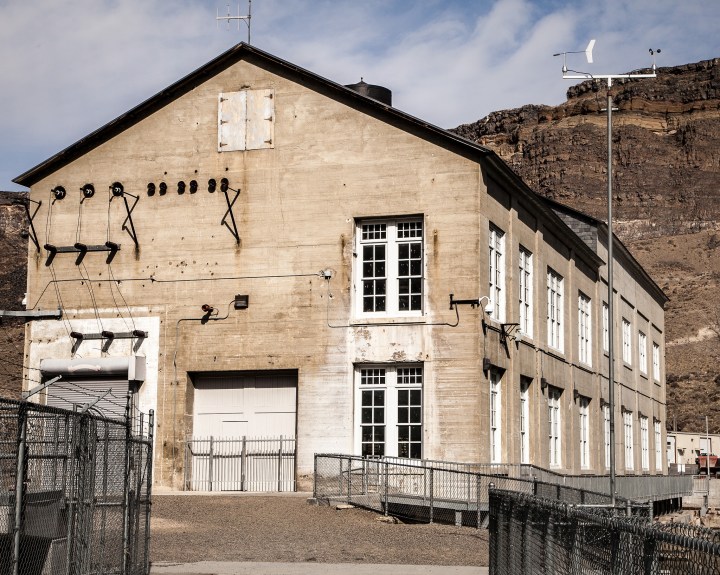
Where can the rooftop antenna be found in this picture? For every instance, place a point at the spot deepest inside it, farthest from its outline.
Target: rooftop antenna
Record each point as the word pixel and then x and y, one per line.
pixel 574 75
pixel 228 17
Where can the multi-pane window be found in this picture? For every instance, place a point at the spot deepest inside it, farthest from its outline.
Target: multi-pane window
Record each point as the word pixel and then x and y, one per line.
pixel 495 417
pixel 606 433
pixel 390 411
pixel 584 404
pixel 497 273
pixel 642 352
pixel 526 292
pixel 627 342
pixel 554 310
pixel 656 361
pixel 628 439
pixel 606 327
pixel 658 446
pixel 525 419
pixel 584 329
pixel 644 443
pixel 391 266
pixel 554 430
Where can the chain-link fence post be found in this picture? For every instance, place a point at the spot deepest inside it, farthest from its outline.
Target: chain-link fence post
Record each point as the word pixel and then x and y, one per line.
pixel 478 494
pixel 387 502
pixel 349 479
pixel 432 496
pixel 315 476
pixel 19 485
pixel 148 487
pixel 126 492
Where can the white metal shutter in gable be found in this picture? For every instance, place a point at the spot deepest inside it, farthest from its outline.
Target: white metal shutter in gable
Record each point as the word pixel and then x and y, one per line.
pixel 245 405
pixel 260 119
pixel 232 108
pixel 246 120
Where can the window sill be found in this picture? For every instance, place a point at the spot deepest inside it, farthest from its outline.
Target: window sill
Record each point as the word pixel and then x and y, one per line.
pixel 390 320
pixel 585 367
pixel 556 353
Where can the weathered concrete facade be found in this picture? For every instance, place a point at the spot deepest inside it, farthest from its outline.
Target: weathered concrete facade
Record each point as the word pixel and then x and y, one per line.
pixel 334 162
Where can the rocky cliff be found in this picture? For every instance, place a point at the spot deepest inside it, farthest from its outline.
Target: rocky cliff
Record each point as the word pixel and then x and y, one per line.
pixel 13 268
pixel 666 198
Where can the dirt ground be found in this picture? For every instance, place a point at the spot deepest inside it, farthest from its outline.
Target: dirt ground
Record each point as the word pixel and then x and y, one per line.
pixel 190 528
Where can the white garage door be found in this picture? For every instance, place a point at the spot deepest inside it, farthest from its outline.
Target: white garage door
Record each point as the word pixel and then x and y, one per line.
pixel 237 405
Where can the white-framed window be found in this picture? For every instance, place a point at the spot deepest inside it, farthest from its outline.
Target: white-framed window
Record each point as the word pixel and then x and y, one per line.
pixel 627 342
pixel 497 273
pixel 606 326
pixel 628 439
pixel 644 443
pixel 495 416
pixel 658 445
pixel 584 329
pixel 526 292
pixel 388 411
pixel 389 267
pixel 554 429
pixel 584 427
pixel 656 361
pixel 525 419
pixel 606 433
pixel 554 309
pixel 642 352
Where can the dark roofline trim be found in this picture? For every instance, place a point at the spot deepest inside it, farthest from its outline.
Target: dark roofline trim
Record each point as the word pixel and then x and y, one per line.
pixel 625 254
pixel 383 112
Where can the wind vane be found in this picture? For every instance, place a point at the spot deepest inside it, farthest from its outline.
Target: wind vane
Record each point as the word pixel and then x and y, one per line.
pixel 228 17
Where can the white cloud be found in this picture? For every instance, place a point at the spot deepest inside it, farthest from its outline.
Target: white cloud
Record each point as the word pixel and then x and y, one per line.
pixel 69 66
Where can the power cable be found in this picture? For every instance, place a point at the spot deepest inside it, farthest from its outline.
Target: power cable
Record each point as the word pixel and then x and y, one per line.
pixel 92 295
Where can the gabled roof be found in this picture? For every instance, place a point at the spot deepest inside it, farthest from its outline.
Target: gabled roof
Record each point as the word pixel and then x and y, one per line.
pixel 341 93
pixel 623 253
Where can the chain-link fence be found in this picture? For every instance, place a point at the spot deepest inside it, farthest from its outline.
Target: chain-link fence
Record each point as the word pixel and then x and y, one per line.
pixel 414 490
pixel 530 535
pixel 74 492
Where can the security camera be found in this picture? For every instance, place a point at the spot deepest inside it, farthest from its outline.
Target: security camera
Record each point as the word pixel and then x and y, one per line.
pixel 489 308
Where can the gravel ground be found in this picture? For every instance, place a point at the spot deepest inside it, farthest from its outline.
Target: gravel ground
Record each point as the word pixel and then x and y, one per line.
pixel 188 528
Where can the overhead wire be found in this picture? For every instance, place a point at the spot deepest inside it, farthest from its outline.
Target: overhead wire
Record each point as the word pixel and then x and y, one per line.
pixel 92 294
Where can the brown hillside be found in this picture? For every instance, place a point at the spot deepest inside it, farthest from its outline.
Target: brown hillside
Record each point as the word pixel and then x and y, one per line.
pixel 666 189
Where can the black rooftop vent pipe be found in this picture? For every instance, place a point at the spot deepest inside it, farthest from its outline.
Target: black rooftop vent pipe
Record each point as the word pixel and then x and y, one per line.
pixel 379 93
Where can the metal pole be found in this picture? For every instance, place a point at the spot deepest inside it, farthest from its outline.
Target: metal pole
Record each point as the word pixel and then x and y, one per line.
pixel 126 491
pixel 19 485
pixel 210 464
pixel 611 314
pixel 707 463
pixel 279 473
pixel 243 464
pixel 148 488
pixel 432 494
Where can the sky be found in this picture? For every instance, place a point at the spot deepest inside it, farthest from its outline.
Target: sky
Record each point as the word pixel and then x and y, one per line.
pixel 70 66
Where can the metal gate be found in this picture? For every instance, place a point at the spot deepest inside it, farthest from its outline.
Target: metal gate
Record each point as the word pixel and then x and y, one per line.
pixel 74 492
pixel 240 464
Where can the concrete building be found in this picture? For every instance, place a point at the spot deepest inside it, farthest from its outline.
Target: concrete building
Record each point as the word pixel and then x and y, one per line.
pixel 276 254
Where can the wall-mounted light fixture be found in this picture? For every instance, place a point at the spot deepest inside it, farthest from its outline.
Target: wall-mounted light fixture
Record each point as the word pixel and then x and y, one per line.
pixel 241 301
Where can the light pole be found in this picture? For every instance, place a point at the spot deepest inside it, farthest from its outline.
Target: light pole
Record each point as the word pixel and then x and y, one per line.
pixel 574 75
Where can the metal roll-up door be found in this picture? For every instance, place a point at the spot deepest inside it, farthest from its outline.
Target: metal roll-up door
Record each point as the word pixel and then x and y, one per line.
pixel 68 393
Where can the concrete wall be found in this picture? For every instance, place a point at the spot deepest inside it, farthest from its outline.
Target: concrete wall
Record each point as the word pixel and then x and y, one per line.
pixel 330 165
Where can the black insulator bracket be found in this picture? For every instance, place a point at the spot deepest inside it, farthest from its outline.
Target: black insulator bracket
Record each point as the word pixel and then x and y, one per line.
pixel 224 187
pixel 30 217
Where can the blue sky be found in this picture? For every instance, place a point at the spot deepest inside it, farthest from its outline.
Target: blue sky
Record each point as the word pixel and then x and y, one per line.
pixel 70 66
